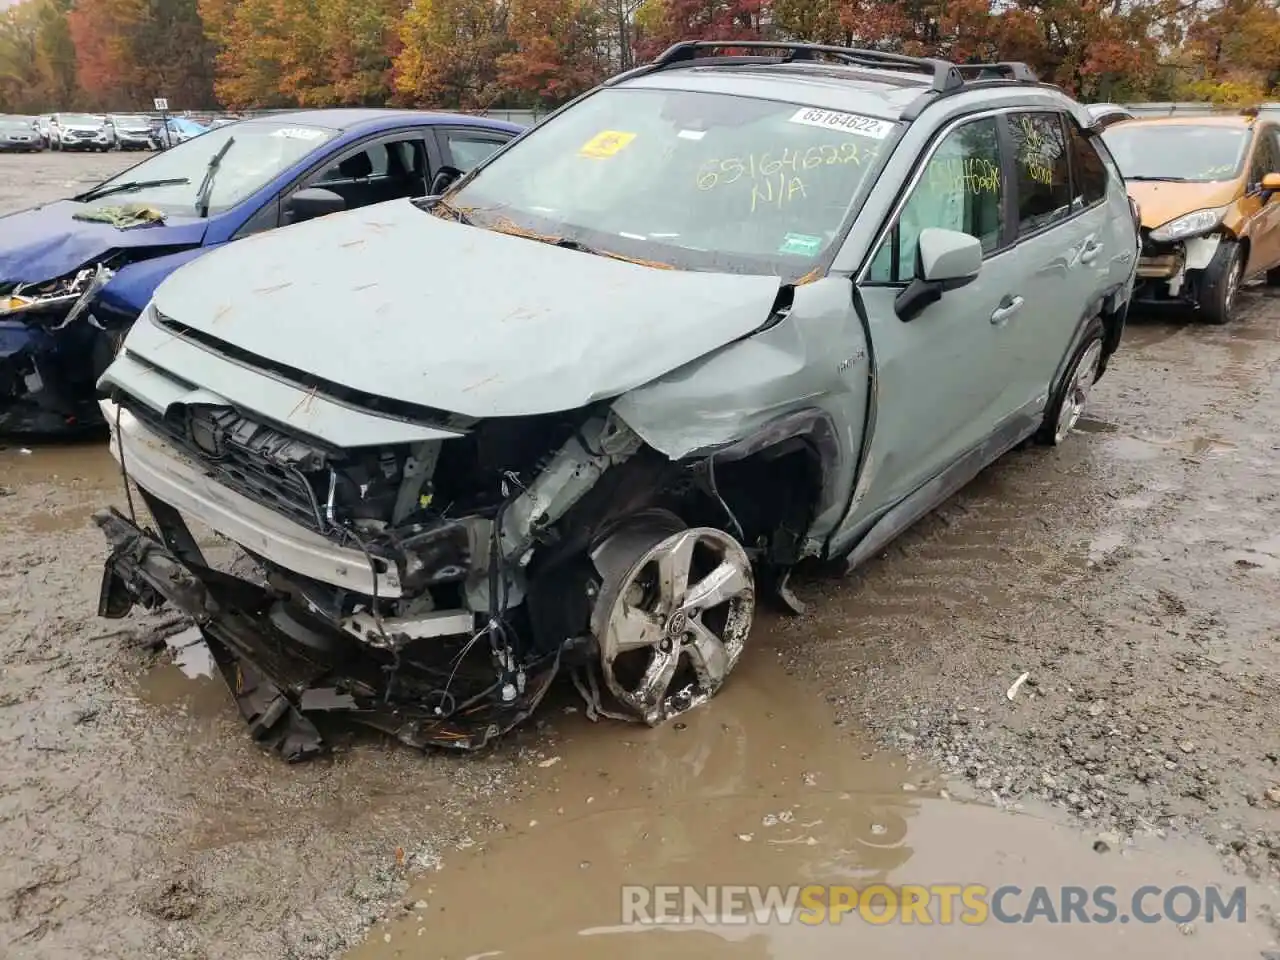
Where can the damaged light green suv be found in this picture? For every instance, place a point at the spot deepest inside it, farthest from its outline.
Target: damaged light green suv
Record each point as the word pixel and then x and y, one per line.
pixel 720 315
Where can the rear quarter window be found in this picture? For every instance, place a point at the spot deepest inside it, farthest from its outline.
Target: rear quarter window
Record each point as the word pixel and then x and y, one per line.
pixel 1088 169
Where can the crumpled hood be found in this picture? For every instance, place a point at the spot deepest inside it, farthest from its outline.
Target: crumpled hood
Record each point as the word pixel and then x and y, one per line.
pixel 1161 201
pixel 45 242
pixel 396 302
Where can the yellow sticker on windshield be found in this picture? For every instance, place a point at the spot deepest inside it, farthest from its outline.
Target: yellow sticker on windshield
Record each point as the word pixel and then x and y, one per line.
pixel 605 144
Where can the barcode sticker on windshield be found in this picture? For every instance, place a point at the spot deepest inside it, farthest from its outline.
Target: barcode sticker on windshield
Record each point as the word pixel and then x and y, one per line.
pixel 298 133
pixel 847 122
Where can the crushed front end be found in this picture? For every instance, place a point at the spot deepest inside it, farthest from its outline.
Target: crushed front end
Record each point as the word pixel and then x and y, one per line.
pixel 431 588
pixel 52 350
pixel 389 578
pixel 1171 271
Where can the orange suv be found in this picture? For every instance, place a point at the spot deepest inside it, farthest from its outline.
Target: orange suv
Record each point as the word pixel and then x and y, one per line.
pixel 1208 189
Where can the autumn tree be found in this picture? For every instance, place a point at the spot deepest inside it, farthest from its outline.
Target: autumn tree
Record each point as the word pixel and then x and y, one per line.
pixel 817 21
pixel 705 20
pixel 37 58
pixel 129 51
pixel 1233 52
pixel 55 52
pixel 450 53
pixel 559 49
pixel 360 43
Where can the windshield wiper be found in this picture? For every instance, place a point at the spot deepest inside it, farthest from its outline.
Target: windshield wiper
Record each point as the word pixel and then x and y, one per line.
pixel 432 203
pixel 1163 179
pixel 570 244
pixel 211 171
pixel 106 190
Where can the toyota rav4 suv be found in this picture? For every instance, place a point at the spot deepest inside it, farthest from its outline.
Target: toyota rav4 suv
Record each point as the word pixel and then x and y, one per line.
pixel 746 305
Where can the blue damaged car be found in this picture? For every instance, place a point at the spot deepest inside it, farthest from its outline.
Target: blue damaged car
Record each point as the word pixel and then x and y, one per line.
pixel 75 273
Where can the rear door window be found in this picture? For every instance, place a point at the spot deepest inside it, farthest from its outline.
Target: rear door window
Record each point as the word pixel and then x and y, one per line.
pixel 1043 170
pixel 466 148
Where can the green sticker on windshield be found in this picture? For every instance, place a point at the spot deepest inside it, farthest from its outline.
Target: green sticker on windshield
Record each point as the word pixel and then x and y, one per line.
pixel 800 244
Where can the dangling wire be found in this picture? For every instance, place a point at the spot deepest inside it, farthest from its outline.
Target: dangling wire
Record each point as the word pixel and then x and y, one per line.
pixel 124 474
pixel 715 491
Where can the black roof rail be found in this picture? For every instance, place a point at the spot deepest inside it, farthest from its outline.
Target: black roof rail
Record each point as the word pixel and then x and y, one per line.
pixel 945 76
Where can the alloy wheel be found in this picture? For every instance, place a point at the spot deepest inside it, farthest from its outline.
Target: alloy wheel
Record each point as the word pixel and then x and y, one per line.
pixel 674 625
pixel 1077 393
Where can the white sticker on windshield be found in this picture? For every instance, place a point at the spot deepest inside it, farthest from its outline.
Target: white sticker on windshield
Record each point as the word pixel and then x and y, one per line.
pixel 846 122
pixel 298 133
pixel 691 134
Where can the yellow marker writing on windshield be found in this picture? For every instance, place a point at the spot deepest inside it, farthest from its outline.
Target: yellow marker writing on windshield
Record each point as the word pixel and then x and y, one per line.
pixel 605 144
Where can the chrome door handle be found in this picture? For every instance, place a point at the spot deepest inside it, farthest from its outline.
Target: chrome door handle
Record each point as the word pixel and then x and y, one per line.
pixel 1008 307
pixel 1090 252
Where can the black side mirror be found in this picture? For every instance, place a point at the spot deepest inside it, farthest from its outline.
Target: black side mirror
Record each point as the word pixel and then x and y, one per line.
pixel 312 202
pixel 445 177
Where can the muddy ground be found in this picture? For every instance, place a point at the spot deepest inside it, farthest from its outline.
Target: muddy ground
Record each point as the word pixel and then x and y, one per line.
pixel 1133 574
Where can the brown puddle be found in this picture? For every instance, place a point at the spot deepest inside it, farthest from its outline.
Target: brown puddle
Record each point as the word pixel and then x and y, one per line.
pixel 186 677
pixel 81 466
pixel 760 788
pixel 80 477
pixel 1149 447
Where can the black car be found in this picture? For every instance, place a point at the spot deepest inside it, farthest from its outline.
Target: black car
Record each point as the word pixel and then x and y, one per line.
pixel 19 135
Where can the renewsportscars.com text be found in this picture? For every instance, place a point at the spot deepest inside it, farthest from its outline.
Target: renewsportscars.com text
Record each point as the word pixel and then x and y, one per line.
pixel 967 904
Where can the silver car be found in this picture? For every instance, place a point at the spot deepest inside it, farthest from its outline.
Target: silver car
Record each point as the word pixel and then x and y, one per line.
pixel 580 410
pixel 132 132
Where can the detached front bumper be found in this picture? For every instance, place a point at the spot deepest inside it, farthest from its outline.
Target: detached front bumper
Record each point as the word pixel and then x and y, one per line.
pixel 283 661
pixel 284 666
pixel 1169 273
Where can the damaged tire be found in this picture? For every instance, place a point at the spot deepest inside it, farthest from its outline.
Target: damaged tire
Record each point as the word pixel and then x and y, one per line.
pixel 672 618
pixel 1072 395
pixel 1220 283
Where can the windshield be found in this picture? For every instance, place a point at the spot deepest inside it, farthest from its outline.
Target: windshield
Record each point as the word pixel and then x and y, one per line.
pixel 1177 151
pixel 131 122
pixel 692 180
pixel 80 119
pixel 261 151
pixel 8 123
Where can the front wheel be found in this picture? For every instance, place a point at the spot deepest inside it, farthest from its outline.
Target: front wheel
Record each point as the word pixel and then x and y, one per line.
pixel 1221 282
pixel 1072 395
pixel 672 616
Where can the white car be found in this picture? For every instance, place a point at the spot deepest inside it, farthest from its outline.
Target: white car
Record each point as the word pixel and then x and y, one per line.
pixel 1105 114
pixel 80 131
